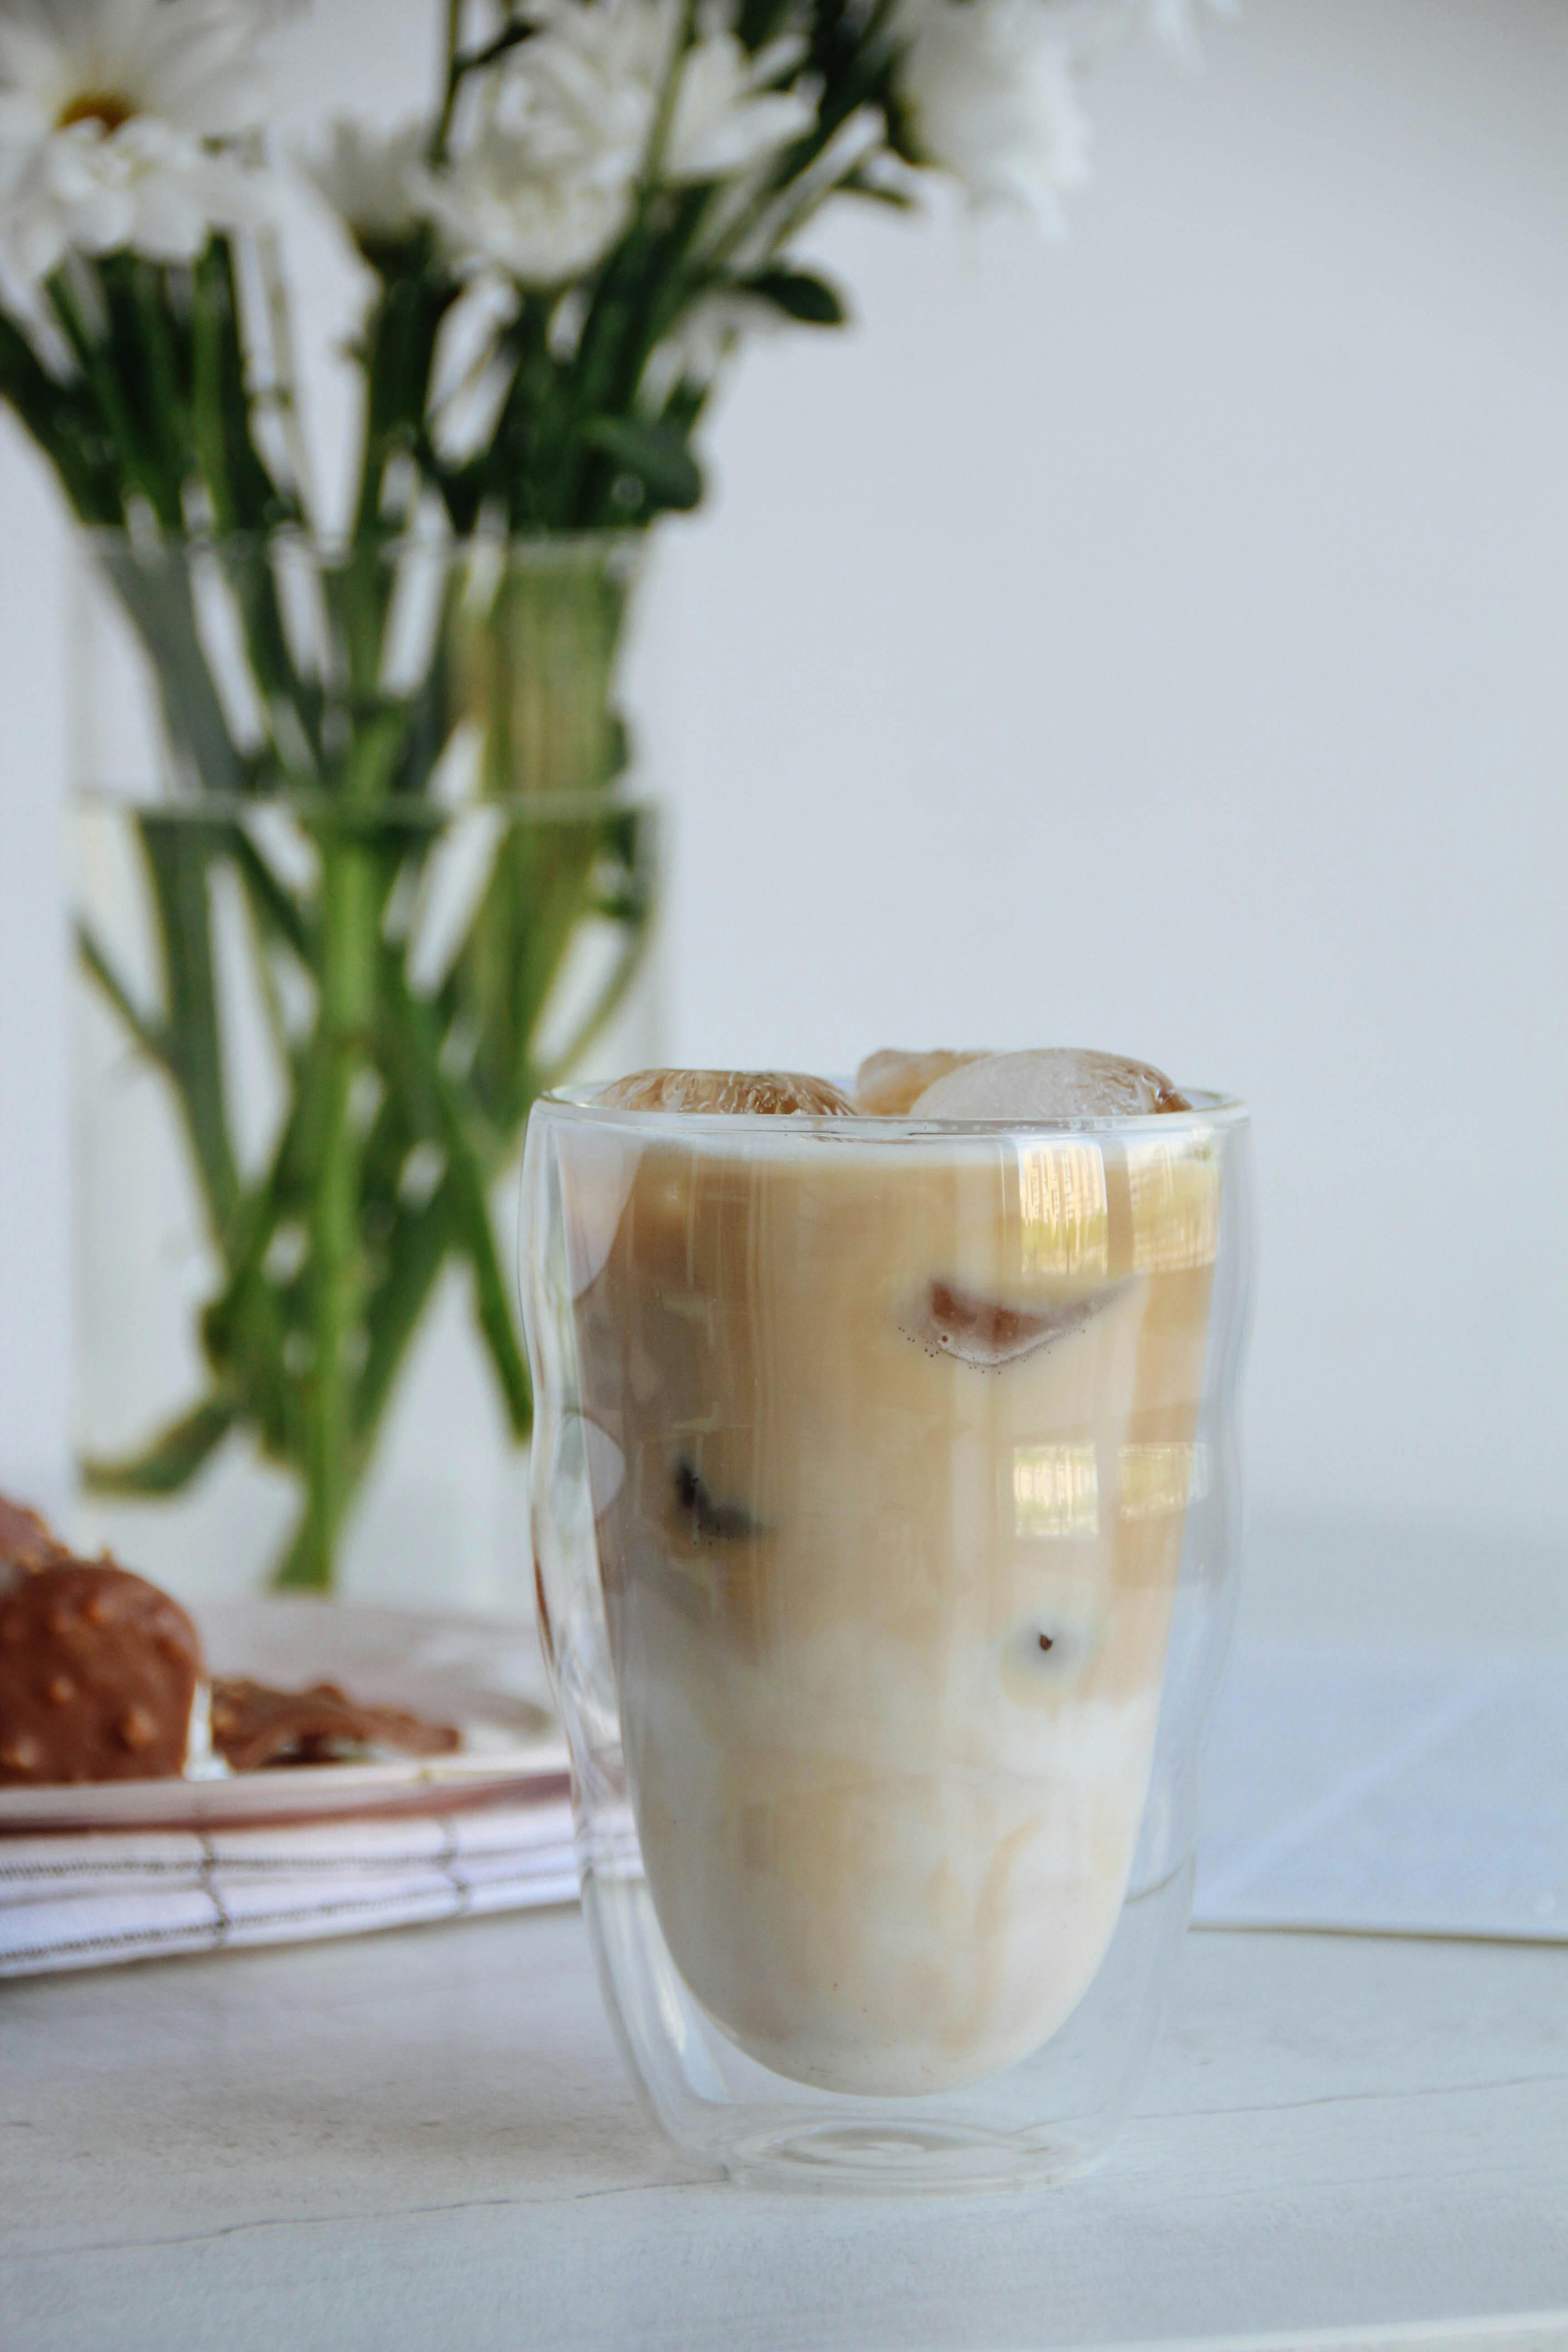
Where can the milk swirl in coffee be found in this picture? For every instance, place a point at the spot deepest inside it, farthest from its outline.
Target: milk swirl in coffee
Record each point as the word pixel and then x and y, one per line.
pixel 890 1442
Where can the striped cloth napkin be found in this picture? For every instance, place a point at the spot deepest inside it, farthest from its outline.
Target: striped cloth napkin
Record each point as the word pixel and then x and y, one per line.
pixel 85 1901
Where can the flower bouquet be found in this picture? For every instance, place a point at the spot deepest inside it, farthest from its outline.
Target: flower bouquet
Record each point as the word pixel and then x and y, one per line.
pixel 558 260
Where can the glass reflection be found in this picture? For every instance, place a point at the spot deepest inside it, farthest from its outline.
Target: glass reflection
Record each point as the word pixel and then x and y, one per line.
pixel 1056 1491
pixel 1062 1209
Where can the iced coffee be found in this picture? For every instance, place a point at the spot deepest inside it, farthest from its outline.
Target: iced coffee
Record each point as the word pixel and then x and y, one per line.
pixel 890 1398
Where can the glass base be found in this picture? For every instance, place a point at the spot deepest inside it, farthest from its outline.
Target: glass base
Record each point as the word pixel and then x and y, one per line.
pixel 1047 2118
pixel 879 2156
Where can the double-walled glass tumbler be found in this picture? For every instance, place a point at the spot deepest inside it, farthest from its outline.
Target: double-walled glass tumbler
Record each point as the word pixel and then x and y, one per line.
pixel 885 1517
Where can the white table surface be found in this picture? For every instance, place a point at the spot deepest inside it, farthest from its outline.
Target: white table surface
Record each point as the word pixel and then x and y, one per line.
pixel 426 2138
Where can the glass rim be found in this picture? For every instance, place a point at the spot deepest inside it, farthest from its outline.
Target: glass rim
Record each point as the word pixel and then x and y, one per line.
pixel 411 812
pixel 341 547
pixel 1211 1109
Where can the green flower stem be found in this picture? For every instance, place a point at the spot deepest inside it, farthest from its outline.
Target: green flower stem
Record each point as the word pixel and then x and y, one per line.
pixel 413 1040
pixel 451 78
pixel 243 496
pixel 102 375
pixel 165 393
pixel 350 913
pixel 416 1255
pixel 613 994
pixel 548 647
pixel 276 914
pixel 353 882
pixel 681 32
pixel 176 852
pixel 63 423
pixel 328 1268
pixel 542 890
pixel 157 597
pixel 252 1327
pixel 281 391
pixel 308 1361
pixel 399 355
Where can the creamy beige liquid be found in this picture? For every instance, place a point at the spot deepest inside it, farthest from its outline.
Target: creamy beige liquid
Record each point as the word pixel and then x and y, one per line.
pixel 890 1454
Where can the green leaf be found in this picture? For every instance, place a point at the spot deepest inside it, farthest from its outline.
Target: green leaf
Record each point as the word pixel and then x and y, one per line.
pixel 277 913
pixel 878 192
pixel 655 452
pixel 173 1459
pixel 144 1027
pixel 811 301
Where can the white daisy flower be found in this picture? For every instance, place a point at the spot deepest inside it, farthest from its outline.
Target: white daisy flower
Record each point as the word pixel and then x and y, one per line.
pixel 501 206
pixel 374 179
pixel 110 111
pixel 990 94
pixel 586 89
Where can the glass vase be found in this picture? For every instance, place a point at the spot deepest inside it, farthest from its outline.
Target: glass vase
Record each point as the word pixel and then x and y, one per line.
pixel 885 1514
pixel 359 871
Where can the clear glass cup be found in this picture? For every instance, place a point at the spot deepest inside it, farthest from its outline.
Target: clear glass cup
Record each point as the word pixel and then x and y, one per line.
pixel 884 1522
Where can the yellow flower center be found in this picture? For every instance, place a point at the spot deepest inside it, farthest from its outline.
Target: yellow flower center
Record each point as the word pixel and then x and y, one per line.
pixel 103 107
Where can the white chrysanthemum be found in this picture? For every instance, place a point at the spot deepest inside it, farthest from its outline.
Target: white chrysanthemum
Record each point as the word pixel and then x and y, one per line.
pixel 727 117
pixel 582 92
pixel 500 207
pixel 547 184
pixel 989 91
pixel 586 89
pixel 108 112
pixel 374 179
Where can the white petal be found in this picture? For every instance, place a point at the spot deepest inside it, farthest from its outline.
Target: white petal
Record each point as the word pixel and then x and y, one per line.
pixel 992 99
pixel 171 222
pixel 37 245
pixel 720 125
pixel 497 207
pixel 371 177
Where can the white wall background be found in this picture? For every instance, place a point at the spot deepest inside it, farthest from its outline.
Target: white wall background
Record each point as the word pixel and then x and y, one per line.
pixel 1152 641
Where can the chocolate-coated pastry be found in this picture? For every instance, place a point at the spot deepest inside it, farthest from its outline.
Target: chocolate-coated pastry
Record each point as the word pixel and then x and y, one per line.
pixel 26 1541
pixel 98 1672
pixel 253 1726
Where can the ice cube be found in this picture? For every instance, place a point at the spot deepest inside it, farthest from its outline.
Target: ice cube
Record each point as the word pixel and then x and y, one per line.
pixel 1055 1082
pixel 988 1333
pixel 887 1083
pixel 783 1092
